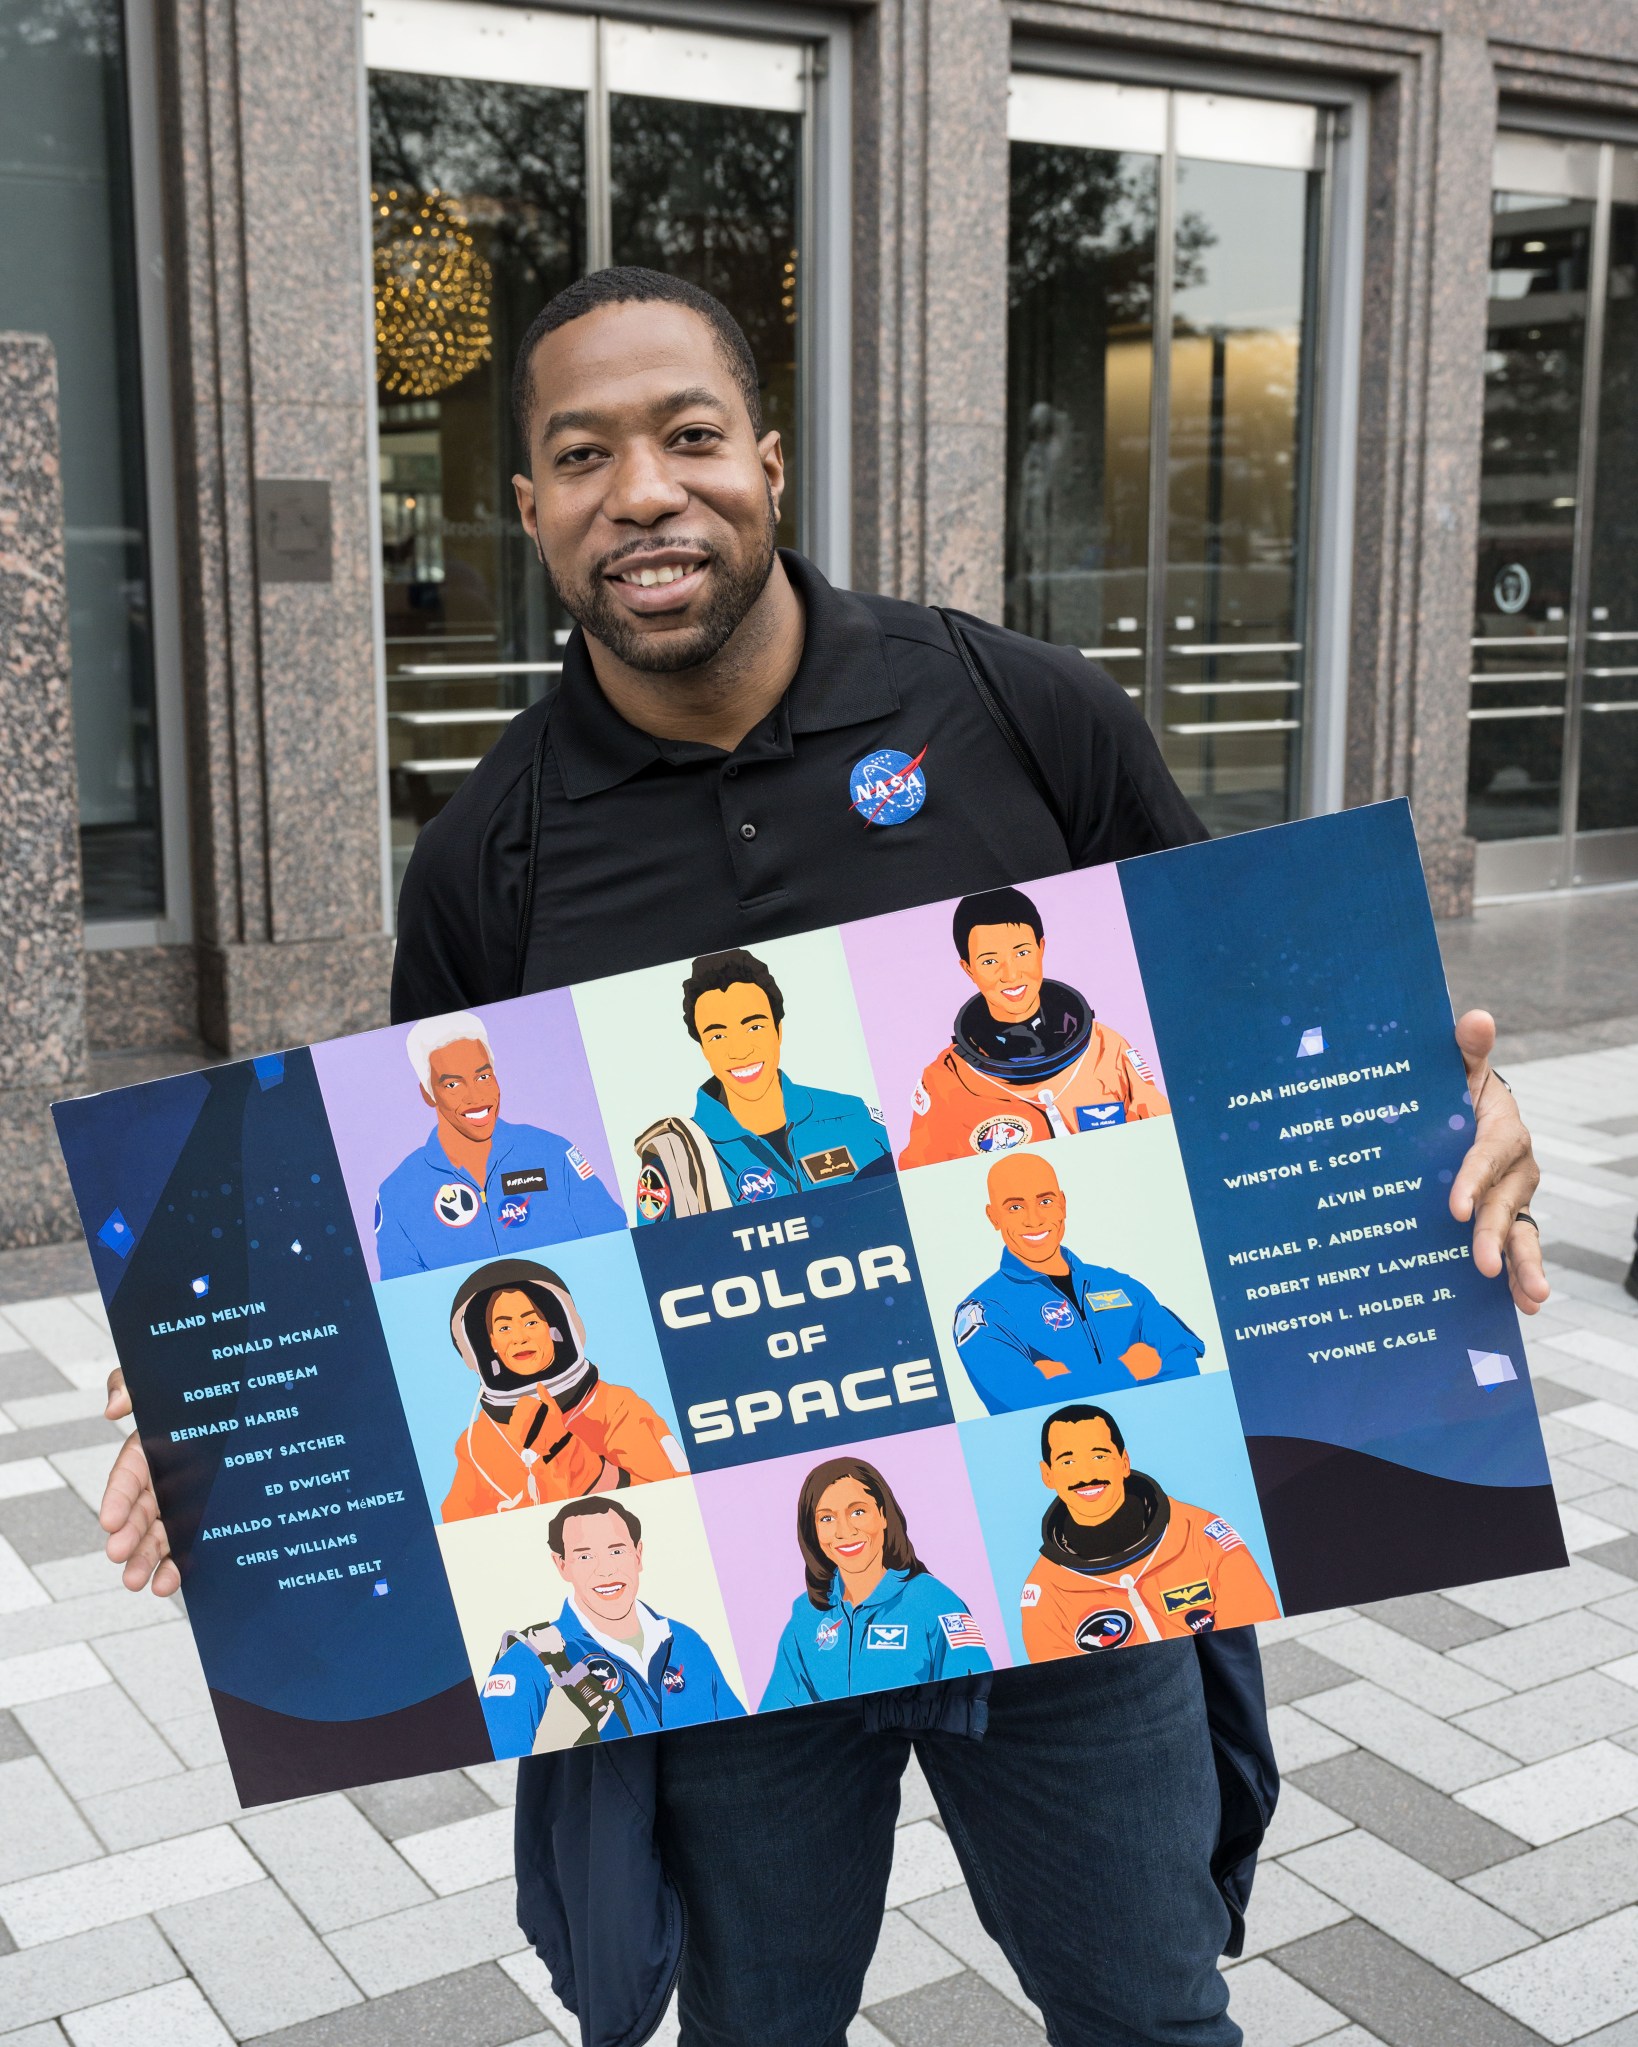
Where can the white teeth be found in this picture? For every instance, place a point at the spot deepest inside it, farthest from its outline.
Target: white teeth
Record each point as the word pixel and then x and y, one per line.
pixel 647 578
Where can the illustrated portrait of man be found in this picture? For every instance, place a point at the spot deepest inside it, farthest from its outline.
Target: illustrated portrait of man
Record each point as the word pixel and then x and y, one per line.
pixel 479 1183
pixel 545 1425
pixel 1027 1057
pixel 1121 1561
pixel 755 1133
pixel 610 1665
pixel 1047 1323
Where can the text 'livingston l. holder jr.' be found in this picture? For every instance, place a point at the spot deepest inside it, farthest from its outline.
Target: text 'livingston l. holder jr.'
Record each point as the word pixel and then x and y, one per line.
pixel 1039 1274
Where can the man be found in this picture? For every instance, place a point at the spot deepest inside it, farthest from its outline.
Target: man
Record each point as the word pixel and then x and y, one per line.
pixel 545 1424
pixel 691 780
pixel 1120 1562
pixel 651 1672
pixel 1027 1058
pixel 754 1133
pixel 478 1183
pixel 1046 1323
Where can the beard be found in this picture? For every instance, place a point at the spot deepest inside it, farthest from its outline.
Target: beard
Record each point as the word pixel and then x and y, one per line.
pixel 734 587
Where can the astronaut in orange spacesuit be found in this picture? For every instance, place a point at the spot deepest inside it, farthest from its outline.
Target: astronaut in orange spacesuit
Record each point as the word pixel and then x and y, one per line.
pixel 1027 1058
pixel 1120 1561
pixel 545 1425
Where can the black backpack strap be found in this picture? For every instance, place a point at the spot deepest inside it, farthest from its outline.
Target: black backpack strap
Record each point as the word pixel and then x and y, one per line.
pixel 1005 724
pixel 526 914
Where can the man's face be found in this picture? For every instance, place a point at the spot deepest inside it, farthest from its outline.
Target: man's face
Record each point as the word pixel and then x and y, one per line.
pixel 652 503
pixel 464 1089
pixel 519 1334
pixel 1085 1470
pixel 1004 963
pixel 1027 1206
pixel 740 1040
pixel 601 1564
pixel 849 1526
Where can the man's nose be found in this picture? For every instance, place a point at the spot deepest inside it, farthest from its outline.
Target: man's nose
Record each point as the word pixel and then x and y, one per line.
pixel 642 488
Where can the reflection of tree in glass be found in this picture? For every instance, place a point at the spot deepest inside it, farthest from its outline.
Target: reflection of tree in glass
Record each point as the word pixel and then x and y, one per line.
pixel 1072 208
pixel 710 194
pixel 511 156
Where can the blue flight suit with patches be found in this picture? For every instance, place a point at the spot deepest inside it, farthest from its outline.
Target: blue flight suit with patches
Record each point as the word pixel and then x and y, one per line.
pixel 1019 1317
pixel 910 1630
pixel 537 1191
pixel 682 1685
pixel 831 1137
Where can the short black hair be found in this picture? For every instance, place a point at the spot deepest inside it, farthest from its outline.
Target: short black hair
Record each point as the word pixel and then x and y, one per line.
pixel 1080 1413
pixel 628 284
pixel 724 970
pixel 601 1504
pixel 994 906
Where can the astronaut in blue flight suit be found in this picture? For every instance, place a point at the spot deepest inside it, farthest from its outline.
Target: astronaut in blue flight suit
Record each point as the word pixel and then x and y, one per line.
pixel 1049 1326
pixel 873 1616
pixel 609 1665
pixel 479 1185
pixel 754 1133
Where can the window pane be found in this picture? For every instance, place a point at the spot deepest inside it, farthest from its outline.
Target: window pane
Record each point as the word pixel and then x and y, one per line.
pixel 493 177
pixel 1609 715
pixel 1079 357
pixel 713 194
pixel 67 271
pixel 1237 487
pixel 1533 369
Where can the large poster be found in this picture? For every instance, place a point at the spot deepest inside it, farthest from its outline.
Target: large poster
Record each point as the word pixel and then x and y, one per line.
pixel 1040 1274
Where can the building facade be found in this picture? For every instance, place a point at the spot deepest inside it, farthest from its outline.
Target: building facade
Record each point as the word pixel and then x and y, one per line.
pixel 1285 357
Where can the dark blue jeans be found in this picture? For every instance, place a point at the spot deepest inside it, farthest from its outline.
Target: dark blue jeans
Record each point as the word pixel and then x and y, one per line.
pixel 1084 1820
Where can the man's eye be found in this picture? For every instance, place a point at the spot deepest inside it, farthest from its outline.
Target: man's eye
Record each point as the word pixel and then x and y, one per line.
pixel 695 436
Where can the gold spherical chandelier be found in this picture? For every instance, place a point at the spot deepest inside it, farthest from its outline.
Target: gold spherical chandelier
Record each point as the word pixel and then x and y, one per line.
pixel 431 294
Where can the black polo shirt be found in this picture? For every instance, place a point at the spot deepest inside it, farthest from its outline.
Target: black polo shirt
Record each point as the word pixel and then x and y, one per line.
pixel 650 849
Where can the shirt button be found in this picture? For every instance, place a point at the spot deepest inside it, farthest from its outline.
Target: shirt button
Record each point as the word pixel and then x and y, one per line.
pixel 730 771
pixel 747 831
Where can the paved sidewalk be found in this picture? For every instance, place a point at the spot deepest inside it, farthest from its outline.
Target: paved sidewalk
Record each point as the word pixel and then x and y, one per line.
pixel 1454 1864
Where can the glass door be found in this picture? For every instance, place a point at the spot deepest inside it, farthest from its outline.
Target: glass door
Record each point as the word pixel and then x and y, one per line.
pixel 511 150
pixel 1187 575
pixel 1553 693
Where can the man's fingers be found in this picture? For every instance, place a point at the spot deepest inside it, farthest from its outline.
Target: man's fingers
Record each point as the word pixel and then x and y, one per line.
pixel 1488 1161
pixel 1526 1274
pixel 119 1401
pixel 1475 1038
pixel 127 1482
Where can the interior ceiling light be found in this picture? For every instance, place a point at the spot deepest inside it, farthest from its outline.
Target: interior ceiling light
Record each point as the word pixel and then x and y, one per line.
pixel 432 292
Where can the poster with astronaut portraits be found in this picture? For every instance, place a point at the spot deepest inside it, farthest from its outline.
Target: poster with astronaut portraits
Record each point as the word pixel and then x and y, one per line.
pixel 1039 1273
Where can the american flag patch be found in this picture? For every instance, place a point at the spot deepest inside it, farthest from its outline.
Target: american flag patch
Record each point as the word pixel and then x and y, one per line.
pixel 961 1631
pixel 582 1165
pixel 1224 1536
pixel 1139 1066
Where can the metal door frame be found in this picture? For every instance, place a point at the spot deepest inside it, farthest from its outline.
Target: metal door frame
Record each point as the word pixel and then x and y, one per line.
pixel 1570 859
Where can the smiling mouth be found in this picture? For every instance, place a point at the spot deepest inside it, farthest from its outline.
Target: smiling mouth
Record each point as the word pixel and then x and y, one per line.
pixel 608 1591
pixel 1094 1489
pixel 1036 1236
pixel 1016 992
pixel 746 1074
pixel 477 1115
pixel 662 580
pixel 850 1549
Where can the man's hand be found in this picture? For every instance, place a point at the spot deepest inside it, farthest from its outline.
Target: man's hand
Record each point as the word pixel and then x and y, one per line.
pixel 130 1513
pixel 1142 1360
pixel 1499 1174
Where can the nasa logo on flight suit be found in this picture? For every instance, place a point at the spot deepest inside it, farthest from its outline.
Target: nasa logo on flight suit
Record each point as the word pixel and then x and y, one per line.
pixel 827 1634
pixel 757 1183
pixel 1057 1314
pixel 1000 1133
pixel 502 1686
pixel 1105 1629
pixel 672 1677
pixel 455 1204
pixel 514 1211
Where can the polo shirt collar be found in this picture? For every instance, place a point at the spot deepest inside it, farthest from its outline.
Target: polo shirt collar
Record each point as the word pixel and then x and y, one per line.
pixel 842 679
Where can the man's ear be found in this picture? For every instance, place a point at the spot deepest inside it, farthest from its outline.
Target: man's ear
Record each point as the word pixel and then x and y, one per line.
pixel 558 1562
pixel 771 453
pixel 1046 1478
pixel 523 490
pixel 431 1104
pixel 995 1220
pixel 967 970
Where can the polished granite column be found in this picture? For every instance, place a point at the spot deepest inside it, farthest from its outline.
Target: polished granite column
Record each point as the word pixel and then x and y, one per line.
pixel 42 974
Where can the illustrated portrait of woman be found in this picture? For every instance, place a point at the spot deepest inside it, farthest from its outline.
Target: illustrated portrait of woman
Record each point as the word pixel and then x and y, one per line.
pixel 873 1616
pixel 545 1425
